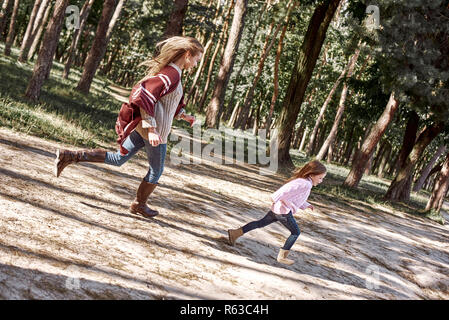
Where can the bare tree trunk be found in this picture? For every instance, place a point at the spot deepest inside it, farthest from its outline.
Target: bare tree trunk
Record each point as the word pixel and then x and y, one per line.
pixel 400 187
pixel 36 17
pixel 324 107
pixel 303 139
pixel 409 139
pixel 380 154
pixel 49 43
pixel 199 70
pixel 5 12
pixel 174 26
pixel 234 114
pixel 215 106
pixel 85 10
pixel 441 187
pixel 341 108
pixel 98 49
pixel 214 56
pixel 362 156
pixel 12 29
pixel 245 58
pixel 276 71
pixel 264 55
pixel 384 161
pixel 39 31
pixel 302 72
pixel 425 172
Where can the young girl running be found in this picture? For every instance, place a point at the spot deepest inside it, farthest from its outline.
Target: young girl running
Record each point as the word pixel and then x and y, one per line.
pixel 285 202
pixel 159 98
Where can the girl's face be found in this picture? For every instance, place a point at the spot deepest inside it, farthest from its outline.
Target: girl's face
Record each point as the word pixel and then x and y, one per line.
pixel 317 179
pixel 191 61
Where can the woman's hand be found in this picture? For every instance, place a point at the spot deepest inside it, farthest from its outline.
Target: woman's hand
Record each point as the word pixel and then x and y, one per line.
pixel 153 137
pixel 190 119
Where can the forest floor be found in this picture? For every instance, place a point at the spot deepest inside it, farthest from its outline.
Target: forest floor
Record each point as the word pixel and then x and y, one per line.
pixel 73 237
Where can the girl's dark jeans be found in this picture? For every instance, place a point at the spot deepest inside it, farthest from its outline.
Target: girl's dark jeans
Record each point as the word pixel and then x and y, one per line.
pixel 286 219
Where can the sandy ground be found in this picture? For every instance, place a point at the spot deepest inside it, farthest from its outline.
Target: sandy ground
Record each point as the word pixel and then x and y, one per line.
pixel 73 238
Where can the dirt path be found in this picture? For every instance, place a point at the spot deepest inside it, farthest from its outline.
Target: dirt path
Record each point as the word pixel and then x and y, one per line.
pixel 73 238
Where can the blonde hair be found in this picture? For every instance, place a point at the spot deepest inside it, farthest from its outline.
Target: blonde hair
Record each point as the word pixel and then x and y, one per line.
pixel 311 168
pixel 170 50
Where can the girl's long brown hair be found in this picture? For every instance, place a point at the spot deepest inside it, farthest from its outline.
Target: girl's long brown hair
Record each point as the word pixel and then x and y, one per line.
pixel 170 50
pixel 309 169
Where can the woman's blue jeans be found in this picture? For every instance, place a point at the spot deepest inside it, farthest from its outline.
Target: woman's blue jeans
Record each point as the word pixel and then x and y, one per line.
pixel 286 219
pixel 134 142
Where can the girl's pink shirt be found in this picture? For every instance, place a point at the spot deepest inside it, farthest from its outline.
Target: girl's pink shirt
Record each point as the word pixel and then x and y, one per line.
pixel 292 196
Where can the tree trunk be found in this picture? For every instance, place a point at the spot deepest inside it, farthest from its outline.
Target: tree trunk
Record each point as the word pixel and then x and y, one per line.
pixel 341 108
pixel 425 172
pixel 380 154
pixel 441 187
pixel 27 41
pixel 409 139
pixel 214 56
pixel 302 72
pixel 39 31
pixel 85 10
pixel 324 107
pixel 98 48
pixel 12 29
pixel 230 106
pixel 234 114
pixel 5 12
pixel 174 26
pixel 199 71
pixel 264 55
pixel 400 187
pixel 362 156
pixel 215 106
pixel 384 161
pixel 49 43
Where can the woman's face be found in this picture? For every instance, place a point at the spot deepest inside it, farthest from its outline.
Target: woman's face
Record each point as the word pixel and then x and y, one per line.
pixel 191 61
pixel 317 179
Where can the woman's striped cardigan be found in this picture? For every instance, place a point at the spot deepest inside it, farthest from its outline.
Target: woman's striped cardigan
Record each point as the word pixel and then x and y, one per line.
pixel 145 95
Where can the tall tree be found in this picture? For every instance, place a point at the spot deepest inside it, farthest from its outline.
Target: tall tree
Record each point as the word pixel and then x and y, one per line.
pixel 174 25
pixel 12 29
pixel 341 108
pixel 85 10
pixel 440 189
pixel 426 170
pixel 215 106
pixel 98 48
pixel 324 107
pixel 35 18
pixel 302 72
pixel 230 106
pixel 400 187
pixel 5 12
pixel 243 116
pixel 49 43
pixel 277 60
pixel 39 31
pixel 363 155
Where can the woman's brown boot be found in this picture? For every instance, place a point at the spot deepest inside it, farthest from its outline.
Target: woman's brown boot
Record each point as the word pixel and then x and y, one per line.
pixel 66 157
pixel 234 234
pixel 140 203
